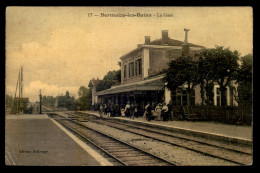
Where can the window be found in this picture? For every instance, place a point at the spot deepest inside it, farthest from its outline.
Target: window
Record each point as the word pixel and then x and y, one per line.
pixel 124 71
pixel 139 66
pixel 180 97
pixel 219 96
pixel 136 68
pixel 131 69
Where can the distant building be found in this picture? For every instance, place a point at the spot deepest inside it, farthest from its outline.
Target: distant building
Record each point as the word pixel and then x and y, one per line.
pixel 19 105
pixel 142 70
pixel 93 84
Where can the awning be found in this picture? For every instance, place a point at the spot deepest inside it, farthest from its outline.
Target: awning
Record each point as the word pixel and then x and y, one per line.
pixel 153 84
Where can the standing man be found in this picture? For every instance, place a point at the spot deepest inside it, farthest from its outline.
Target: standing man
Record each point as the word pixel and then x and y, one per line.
pixel 108 110
pixel 148 111
pixel 132 111
pixel 105 109
pixel 101 111
pixel 31 109
pixel 170 111
pixel 127 109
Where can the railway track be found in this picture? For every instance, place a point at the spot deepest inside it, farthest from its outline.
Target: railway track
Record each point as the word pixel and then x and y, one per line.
pixel 224 152
pixel 124 153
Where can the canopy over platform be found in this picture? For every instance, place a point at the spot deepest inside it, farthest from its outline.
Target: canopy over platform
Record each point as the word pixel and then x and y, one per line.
pixel 152 84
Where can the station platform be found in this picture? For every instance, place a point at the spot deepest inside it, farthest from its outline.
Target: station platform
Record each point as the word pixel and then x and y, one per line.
pixel 37 140
pixel 218 131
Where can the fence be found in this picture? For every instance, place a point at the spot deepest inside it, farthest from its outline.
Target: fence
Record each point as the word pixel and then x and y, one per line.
pixel 229 115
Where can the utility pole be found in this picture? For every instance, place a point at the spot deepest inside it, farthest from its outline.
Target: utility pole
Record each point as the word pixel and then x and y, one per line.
pixel 40 102
pixel 19 94
pixel 21 81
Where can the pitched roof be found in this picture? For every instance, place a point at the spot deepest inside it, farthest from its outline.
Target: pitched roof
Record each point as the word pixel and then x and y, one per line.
pixel 94 82
pixel 171 42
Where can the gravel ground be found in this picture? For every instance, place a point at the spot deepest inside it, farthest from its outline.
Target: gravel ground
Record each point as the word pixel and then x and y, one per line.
pixel 169 152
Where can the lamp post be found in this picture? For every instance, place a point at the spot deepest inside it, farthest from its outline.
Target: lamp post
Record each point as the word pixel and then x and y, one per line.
pixel 40 102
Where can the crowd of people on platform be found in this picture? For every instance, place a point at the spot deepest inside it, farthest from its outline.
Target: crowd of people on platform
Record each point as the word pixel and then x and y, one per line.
pixel 161 111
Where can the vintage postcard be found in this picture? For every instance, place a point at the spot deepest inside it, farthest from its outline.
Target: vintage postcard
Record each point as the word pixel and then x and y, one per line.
pixel 129 86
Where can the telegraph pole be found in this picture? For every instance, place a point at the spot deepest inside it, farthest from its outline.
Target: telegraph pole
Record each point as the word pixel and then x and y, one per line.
pixel 40 102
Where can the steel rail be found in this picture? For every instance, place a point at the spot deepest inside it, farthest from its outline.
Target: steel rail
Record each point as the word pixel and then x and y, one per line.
pixel 161 140
pixel 183 138
pixel 114 139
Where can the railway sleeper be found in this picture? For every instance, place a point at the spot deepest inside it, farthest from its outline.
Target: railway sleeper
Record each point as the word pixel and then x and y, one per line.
pixel 139 158
pixel 121 150
pixel 126 155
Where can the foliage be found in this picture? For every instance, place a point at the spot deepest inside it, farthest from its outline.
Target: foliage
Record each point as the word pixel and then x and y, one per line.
pixel 244 80
pixel 183 70
pixel 66 101
pixel 205 77
pixel 221 67
pixel 218 65
pixel 111 78
pixel 84 100
pixel 48 101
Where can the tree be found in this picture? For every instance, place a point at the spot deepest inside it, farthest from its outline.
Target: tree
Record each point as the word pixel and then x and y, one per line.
pixel 183 70
pixel 111 78
pixel 223 65
pixel 84 100
pixel 66 101
pixel 48 101
pixel 244 80
pixel 205 77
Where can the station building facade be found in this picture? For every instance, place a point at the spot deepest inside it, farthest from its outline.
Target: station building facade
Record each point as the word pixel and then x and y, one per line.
pixel 142 73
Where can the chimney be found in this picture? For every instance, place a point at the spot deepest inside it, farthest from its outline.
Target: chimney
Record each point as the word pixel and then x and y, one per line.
pixel 185 46
pixel 147 39
pixel 164 36
pixel 186 36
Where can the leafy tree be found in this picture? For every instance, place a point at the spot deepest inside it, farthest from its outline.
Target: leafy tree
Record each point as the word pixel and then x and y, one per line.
pixel 205 77
pixel 244 80
pixel 84 100
pixel 48 101
pixel 66 101
pixel 111 78
pixel 183 70
pixel 223 65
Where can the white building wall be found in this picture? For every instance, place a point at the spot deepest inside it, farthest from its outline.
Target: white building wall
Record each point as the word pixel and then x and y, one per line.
pixel 93 99
pixel 167 95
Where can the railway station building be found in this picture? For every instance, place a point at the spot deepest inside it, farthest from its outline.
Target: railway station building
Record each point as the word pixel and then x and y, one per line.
pixel 142 73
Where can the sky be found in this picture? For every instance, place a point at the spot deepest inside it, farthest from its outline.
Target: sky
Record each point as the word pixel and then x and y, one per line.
pixel 62 48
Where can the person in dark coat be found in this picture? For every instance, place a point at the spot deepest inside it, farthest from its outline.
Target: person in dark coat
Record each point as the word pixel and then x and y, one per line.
pixel 112 107
pixel 132 111
pixel 148 111
pixel 108 110
pixel 165 112
pixel 117 110
pixel 31 109
pixel 127 109
pixel 105 109
pixel 170 111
